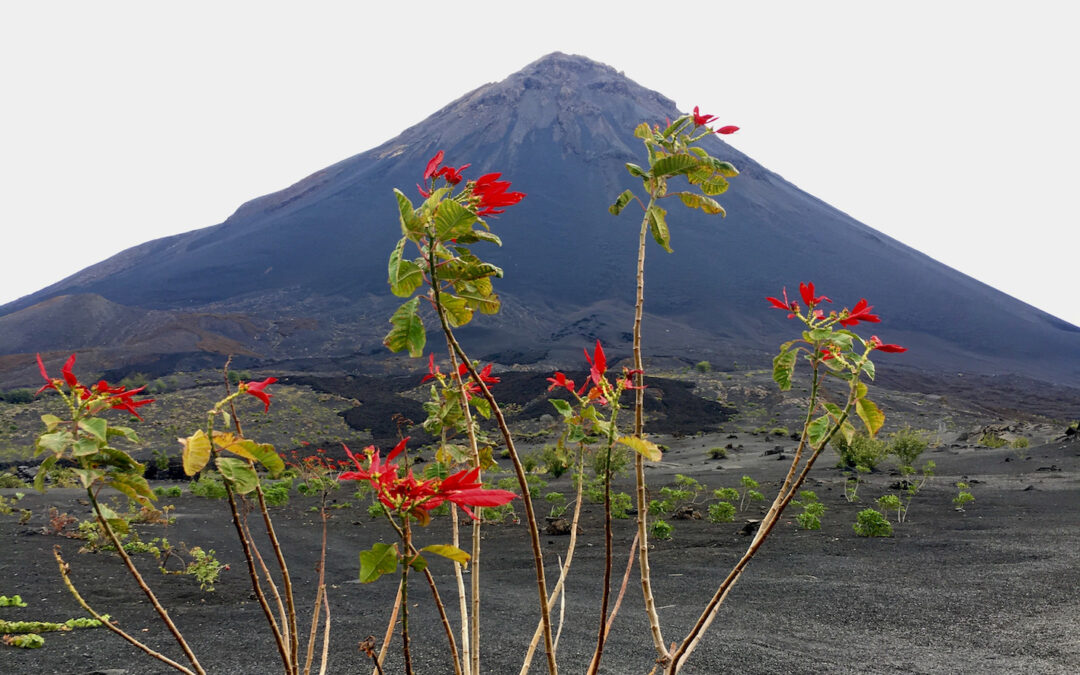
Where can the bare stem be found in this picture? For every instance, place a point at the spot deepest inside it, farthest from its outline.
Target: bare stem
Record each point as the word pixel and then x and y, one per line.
pixel 406 541
pixel 65 573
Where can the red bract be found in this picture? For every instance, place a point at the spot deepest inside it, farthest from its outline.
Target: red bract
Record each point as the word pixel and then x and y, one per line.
pixel 875 343
pixel 256 389
pixel 490 194
pixel 432 165
pixel 861 312
pixel 701 120
pixel 730 129
pixel 452 175
pixel 406 493
pixel 432 370
pixel 598 361
pixel 808 297
pixel 786 305
pixel 559 380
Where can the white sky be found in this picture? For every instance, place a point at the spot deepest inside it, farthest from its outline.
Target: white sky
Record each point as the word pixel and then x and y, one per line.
pixel 951 126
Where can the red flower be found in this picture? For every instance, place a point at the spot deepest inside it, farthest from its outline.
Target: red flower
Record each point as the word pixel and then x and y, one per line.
pixel 121 400
pixel 808 297
pixel 432 369
pixel 432 165
pixel 598 361
pixel 560 381
pixel 787 305
pixel 491 194
pixel 875 343
pixel 452 175
pixel 256 389
pixel 628 381
pixel 423 193
pixel 727 130
pixel 861 312
pixel 701 120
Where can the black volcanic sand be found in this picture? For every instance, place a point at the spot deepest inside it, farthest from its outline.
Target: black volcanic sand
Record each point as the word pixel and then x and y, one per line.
pixel 992 589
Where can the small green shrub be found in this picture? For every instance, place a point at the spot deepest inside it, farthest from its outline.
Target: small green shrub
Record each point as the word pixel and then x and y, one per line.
pixel 812 510
pixel 17 396
pixel 277 494
pixel 9 480
pixel 907 444
pixel 963 497
pixel 721 512
pixel 1021 443
pixel 871 523
pixel 208 486
pixel 620 505
pixel 703 367
pixel 556 460
pixel 992 441
pixel 661 530
pixel 861 451
pixel 376 510
pixel 558 504
pixel 749 493
pixel 779 431
pixel 718 453
pixel 726 494
pixel 889 503
pixel 171 491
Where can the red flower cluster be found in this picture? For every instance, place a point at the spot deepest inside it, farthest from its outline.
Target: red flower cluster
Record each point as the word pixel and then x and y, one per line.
pixel 701 120
pixel 449 173
pixel 406 493
pixel 257 389
pixel 471 388
pixel 119 398
pixel 861 312
pixel 491 194
pixel 597 369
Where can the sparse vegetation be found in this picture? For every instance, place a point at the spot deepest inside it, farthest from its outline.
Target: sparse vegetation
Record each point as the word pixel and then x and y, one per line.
pixel 871 523
pixel 862 451
pixel 992 441
pixel 812 510
pixel 963 497
pixel 660 530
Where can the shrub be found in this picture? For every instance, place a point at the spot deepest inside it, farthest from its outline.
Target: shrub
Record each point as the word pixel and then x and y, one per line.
pixel 1021 443
pixel 861 451
pixel 171 491
pixel 779 431
pixel 620 505
pixel 718 453
pixel 661 530
pixel 277 494
pixel 721 512
pixel 703 367
pixel 812 510
pixel 889 503
pixel 726 494
pixel 209 486
pixel 871 523
pixel 556 460
pixel 9 480
pixel 992 441
pixel 962 497
pixel 907 444
pixel 558 504
pixel 17 396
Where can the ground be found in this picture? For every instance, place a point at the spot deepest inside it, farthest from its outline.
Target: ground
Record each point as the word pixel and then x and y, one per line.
pixel 988 589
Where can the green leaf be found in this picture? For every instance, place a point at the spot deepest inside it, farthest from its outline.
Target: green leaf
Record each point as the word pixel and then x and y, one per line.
pixel 457 310
pixel 868 368
pixel 84 447
pixel 658 227
pixel 871 416
pixel 563 407
pixel 51 421
pixel 784 368
pixel 636 170
pixel 482 407
pixel 575 434
pixel 418 563
pixel 474 235
pixel 56 442
pixel 126 432
pixel 647 449
pixel 643 130
pixel 673 165
pixel 676 126
pixel 263 453
pixel 379 560
pixel 134 486
pixel 818 431
pixel 408 331
pixel 725 169
pixel 404 276
pixel 43 470
pixel 411 226
pixel 96 427
pixel 239 472
pixel 453 220
pixel 621 202
pixel 450 552
pixel 195 452
pixel 88 476
pixel 478 295
pixel 715 185
pixel 696 201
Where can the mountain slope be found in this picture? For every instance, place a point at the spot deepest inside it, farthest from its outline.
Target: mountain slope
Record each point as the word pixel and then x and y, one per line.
pixel 312 257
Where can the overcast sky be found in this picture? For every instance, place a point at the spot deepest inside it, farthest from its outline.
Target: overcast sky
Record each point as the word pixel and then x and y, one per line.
pixel 951 126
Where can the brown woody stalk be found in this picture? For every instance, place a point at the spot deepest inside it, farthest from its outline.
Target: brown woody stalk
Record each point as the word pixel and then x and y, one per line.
pixel 519 470
pixel 65 573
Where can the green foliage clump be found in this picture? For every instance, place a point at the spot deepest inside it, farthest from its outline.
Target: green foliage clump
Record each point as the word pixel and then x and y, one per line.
pixel 862 451
pixel 205 567
pixel 620 461
pixel 10 480
pixel 556 460
pixel 17 396
pixel 812 510
pixel 992 441
pixel 277 493
pixel 779 431
pixel 872 523
pixel 907 444
pixel 620 505
pixel 718 453
pixel 963 497
pixel 749 493
pixel 1021 443
pixel 661 530
pixel 703 367
pixel 13 601
pixel 171 491
pixel 721 512
pixel 558 503
pixel 209 486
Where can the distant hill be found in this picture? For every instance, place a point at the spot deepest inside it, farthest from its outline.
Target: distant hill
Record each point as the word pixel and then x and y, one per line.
pixel 301 273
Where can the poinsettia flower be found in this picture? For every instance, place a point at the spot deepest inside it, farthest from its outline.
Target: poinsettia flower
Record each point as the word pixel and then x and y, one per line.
pixel 490 194
pixel 701 120
pixel 432 165
pixel 790 306
pixel 450 174
pixel 560 380
pixel 875 343
pixel 808 297
pixel 628 379
pixel 598 363
pixel 257 389
pixel 122 400
pixel 432 370
pixel 730 129
pixel 860 312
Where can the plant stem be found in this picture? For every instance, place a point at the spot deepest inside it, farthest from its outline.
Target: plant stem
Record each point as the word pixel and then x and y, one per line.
pixel 65 573
pixel 406 544
pixel 601 632
pixel 104 523
pixel 639 431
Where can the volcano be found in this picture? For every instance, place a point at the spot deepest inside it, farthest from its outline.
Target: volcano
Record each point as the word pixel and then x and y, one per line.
pixel 300 274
